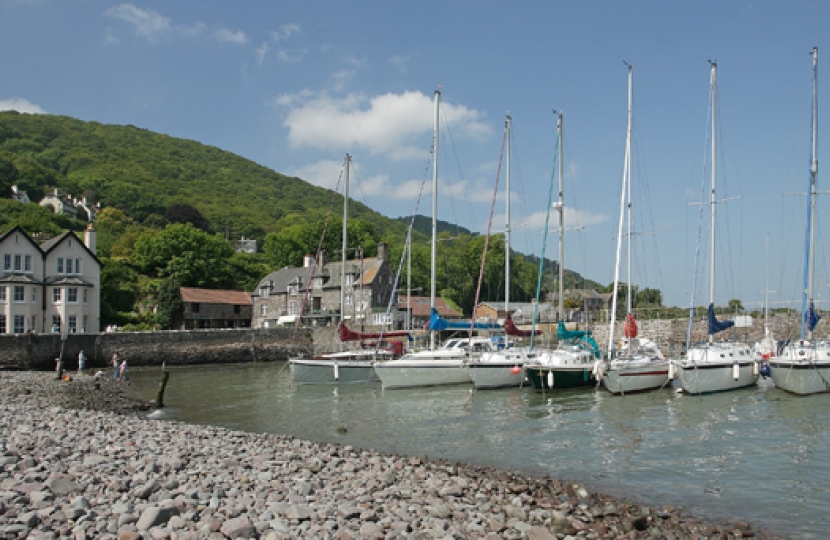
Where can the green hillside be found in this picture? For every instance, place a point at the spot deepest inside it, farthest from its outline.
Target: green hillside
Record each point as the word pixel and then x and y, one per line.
pixel 143 173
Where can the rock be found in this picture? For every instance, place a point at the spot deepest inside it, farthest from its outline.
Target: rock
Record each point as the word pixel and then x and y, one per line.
pixel 239 527
pixel 155 515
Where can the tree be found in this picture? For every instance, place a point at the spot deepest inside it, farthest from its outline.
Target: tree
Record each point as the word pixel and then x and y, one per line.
pixel 185 254
pixel 184 213
pixel 735 306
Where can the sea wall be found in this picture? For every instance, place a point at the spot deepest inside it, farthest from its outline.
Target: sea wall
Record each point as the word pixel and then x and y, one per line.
pixel 39 351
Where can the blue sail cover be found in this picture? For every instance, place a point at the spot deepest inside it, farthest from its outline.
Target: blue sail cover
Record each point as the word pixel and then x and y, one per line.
pixel 812 317
pixel 564 334
pixel 715 325
pixel 436 322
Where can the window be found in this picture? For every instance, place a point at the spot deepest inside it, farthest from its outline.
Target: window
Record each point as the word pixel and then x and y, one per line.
pixel 86 324
pixel 56 324
pixel 349 279
pixel 34 295
pixel 19 293
pixel 293 289
pixel 237 309
pixel 292 308
pixel 2 324
pixel 77 266
pixel 194 307
pixel 72 295
pixel 68 266
pixel 73 324
pixel 27 263
pixel 34 323
pixel 86 295
pixel 19 324
pixel 263 310
pixel 56 295
pixel 349 299
pixel 263 292
pixel 318 283
pixel 7 261
pixel 60 265
pixel 17 264
pixel 2 293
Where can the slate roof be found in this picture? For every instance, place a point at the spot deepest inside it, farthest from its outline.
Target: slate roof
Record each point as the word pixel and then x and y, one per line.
pixel 421 307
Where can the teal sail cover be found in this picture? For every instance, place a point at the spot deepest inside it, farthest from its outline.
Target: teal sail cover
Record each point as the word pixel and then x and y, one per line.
pixel 563 334
pixel 436 322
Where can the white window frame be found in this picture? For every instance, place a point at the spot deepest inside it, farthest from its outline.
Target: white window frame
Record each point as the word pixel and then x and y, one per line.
pixel 34 295
pixel 57 295
pixel 86 296
pixel 72 295
pixel 2 294
pixel 73 324
pixel 7 261
pixel 263 310
pixel 18 262
pixel 56 323
pixel 19 294
pixel 19 324
pixel 292 308
pixel 27 263
pixel 59 266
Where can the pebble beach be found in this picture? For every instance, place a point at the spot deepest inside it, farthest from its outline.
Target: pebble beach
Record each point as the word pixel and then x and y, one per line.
pixel 81 459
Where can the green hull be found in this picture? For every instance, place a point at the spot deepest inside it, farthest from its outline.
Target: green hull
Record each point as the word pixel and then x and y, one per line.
pixel 572 378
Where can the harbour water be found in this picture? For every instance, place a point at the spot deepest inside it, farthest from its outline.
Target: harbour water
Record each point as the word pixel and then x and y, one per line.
pixel 756 454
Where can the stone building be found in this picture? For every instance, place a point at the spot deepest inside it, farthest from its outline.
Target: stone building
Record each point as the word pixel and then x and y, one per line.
pixel 54 286
pixel 312 292
pixel 208 308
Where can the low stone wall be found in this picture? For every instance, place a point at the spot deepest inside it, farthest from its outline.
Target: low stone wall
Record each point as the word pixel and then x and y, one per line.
pixel 38 351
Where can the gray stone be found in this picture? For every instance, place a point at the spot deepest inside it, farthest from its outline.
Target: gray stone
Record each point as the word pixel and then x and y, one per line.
pixel 155 515
pixel 239 527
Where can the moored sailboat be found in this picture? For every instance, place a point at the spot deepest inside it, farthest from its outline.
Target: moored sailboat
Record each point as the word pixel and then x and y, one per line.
pixel 635 363
pixel 804 365
pixel 570 364
pixel 723 365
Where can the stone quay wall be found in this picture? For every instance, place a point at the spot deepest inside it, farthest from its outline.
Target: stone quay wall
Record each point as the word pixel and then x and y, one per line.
pixel 39 351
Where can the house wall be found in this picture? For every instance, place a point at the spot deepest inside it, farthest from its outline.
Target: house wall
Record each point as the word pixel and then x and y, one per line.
pixel 86 311
pixel 216 316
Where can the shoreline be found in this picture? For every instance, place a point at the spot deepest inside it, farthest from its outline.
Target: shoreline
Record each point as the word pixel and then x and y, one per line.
pixel 80 461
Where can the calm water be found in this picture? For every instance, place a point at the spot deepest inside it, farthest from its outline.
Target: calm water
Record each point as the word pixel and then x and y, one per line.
pixel 757 454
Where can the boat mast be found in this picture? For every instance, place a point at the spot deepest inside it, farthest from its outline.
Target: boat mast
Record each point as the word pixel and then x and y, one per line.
pixel 712 199
pixel 812 211
pixel 625 193
pixel 434 215
pixel 507 125
pixel 561 208
pixel 344 243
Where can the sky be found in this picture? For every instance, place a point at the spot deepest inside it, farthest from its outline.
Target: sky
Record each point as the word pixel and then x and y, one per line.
pixel 294 86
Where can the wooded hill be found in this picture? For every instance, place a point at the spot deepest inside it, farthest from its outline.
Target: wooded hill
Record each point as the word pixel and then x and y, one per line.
pixel 139 177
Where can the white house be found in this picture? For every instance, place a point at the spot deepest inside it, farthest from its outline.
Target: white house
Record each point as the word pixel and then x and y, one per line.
pixel 51 287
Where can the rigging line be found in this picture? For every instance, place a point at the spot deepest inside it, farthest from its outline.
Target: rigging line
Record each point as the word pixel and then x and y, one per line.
pixel 487 238
pixel 697 250
pixel 318 253
pixel 449 136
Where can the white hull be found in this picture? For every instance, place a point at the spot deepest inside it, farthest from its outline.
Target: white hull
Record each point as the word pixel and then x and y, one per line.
pixel 803 368
pixel 407 372
pixel 346 367
pixel 717 367
pixel 629 375
pixel 498 369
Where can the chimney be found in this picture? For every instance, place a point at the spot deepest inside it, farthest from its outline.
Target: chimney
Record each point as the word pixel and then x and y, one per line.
pixel 308 260
pixel 90 238
pixel 383 253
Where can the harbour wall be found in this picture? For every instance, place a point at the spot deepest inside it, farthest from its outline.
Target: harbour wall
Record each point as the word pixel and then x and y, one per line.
pixel 39 351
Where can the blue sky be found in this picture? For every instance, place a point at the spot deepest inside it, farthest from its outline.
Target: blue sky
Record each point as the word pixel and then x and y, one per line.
pixel 296 85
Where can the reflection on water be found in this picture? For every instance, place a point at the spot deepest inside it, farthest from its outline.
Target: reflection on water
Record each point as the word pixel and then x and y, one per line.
pixel 756 454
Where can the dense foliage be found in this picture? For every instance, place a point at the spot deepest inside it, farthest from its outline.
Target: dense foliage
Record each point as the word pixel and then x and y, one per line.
pixel 168 207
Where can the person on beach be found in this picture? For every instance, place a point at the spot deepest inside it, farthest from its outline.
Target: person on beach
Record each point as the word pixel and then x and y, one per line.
pixel 122 370
pixel 115 366
pixel 81 362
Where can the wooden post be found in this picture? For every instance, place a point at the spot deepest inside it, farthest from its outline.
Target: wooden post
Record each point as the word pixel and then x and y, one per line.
pixel 162 385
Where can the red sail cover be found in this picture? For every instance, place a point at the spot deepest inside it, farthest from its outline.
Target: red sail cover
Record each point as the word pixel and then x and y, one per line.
pixel 346 334
pixel 630 326
pixel 511 329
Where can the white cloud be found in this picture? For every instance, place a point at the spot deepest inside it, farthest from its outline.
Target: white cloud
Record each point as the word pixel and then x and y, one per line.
pixel 391 124
pixel 341 78
pixel 400 62
pixel 261 51
pixel 285 32
pixel 147 23
pixel 574 219
pixel 153 26
pixel 285 56
pixel 229 36
pixel 20 105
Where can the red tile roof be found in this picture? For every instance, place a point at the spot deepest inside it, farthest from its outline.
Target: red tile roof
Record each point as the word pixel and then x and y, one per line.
pixel 210 296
